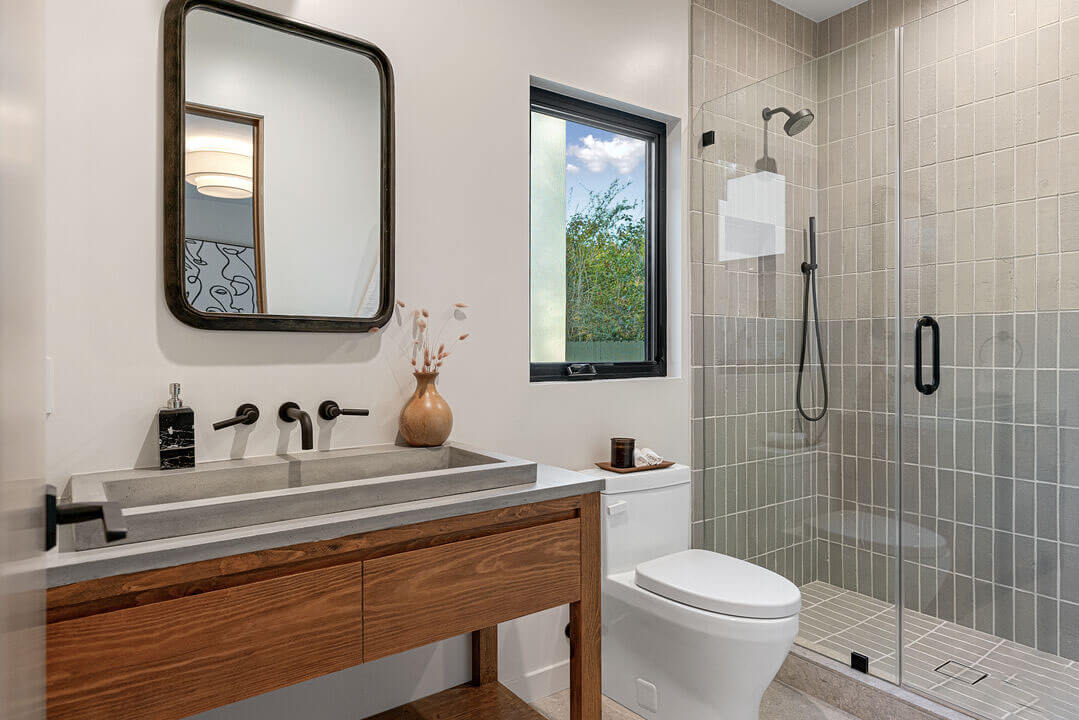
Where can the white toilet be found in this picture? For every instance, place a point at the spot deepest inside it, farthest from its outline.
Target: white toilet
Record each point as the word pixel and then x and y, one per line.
pixel 687 634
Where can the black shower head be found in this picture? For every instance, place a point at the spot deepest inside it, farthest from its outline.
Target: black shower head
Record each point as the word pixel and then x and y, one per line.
pixel 796 122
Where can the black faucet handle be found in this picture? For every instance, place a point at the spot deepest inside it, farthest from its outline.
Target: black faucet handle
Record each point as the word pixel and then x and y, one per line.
pixel 246 414
pixel 330 410
pixel 110 513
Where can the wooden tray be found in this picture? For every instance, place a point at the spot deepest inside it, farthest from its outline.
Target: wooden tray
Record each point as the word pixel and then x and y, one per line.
pixel 642 468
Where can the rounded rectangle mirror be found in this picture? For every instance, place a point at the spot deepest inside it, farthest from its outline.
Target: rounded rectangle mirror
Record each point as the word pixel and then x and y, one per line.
pixel 278 173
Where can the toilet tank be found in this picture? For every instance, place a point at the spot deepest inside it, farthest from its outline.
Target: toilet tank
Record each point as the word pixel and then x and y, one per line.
pixel 646 515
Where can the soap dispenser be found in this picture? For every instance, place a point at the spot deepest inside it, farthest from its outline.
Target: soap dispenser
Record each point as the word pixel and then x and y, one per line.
pixel 176 432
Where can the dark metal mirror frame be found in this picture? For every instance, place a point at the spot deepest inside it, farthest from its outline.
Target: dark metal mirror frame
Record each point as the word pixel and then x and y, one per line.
pixel 175 104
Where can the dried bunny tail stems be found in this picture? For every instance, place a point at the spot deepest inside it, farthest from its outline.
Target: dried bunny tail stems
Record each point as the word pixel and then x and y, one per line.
pixel 428 350
pixel 400 303
pixel 373 330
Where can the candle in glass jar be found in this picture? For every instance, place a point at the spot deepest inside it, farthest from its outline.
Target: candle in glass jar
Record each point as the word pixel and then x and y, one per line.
pixel 622 452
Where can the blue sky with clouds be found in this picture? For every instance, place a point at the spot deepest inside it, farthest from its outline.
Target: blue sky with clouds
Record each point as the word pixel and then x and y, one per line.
pixel 595 157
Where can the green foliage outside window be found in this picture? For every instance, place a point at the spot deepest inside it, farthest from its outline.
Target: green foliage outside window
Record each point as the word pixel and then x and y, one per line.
pixel 605 269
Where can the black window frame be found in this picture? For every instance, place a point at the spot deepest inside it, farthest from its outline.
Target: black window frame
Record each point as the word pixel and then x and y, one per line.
pixel 654 133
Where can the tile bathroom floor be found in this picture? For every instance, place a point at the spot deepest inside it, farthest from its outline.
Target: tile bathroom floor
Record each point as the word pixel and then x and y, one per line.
pixel 1016 682
pixel 780 703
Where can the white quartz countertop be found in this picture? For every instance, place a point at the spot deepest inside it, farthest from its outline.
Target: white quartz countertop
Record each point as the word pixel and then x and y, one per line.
pixel 71 566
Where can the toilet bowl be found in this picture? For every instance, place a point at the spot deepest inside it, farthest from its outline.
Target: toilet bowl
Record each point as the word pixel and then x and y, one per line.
pixel 687 634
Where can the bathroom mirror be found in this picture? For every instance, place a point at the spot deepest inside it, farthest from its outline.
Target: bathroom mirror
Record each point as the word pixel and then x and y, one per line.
pixel 278 173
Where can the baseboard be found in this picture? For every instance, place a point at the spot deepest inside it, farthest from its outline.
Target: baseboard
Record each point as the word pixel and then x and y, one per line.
pixel 856 693
pixel 540 683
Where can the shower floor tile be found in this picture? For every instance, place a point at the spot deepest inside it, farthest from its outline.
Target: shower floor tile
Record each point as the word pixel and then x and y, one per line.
pixel 1020 683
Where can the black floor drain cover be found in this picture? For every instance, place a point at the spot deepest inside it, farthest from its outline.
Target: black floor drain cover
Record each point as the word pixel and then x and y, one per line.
pixel 961 672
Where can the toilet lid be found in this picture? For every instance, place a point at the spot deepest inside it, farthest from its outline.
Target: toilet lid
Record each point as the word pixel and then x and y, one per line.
pixel 721 584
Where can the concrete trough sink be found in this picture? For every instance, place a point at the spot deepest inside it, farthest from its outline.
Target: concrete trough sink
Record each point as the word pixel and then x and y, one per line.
pixel 238 493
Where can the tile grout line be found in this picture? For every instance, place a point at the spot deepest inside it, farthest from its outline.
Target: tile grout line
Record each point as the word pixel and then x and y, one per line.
pixel 1010 701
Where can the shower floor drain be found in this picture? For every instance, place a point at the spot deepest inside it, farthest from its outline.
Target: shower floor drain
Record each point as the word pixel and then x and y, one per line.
pixel 961 672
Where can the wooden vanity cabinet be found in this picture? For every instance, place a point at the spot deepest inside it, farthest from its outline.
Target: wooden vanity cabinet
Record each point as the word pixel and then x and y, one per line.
pixel 165 644
pixel 418 597
pixel 164 659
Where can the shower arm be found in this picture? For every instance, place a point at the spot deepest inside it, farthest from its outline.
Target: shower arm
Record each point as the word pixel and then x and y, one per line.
pixel 768 112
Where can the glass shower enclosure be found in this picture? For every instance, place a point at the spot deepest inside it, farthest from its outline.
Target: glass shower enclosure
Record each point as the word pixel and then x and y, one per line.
pixel 885 352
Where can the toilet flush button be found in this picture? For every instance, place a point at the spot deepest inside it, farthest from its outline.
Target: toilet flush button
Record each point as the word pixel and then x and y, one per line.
pixel 647 696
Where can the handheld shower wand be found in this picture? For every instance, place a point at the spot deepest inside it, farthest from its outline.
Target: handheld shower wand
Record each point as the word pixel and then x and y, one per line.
pixel 809 269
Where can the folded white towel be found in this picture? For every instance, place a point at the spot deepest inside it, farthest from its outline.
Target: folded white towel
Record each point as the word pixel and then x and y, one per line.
pixel 646 456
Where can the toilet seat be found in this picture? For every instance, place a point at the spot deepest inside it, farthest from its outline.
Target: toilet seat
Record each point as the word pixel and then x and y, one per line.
pixel 720 584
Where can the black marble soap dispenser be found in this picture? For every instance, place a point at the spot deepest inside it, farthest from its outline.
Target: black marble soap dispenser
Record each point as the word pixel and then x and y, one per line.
pixel 176 432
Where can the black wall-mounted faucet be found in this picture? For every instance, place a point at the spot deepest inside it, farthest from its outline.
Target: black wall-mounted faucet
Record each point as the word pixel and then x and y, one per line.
pixel 291 412
pixel 246 414
pixel 330 410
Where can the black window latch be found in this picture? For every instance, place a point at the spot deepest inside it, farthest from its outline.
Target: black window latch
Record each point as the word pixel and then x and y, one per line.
pixel 581 371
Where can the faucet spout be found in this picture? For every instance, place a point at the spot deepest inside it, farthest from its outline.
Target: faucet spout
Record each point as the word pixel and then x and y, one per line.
pixel 291 412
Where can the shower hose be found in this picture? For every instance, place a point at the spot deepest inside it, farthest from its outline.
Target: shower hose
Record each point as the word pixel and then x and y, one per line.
pixel 809 269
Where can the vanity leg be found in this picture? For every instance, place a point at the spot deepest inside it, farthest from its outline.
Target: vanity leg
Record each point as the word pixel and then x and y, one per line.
pixel 485 656
pixel 586 685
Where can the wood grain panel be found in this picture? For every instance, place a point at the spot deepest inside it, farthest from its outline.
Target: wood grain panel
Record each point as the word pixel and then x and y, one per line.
pixel 176 658
pixel 586 699
pixel 485 656
pixel 465 702
pixel 419 597
pixel 134 589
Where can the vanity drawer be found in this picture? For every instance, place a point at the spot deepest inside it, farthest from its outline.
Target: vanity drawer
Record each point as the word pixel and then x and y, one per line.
pixel 175 658
pixel 421 596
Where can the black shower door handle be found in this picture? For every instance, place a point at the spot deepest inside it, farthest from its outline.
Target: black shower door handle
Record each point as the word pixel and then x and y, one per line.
pixel 923 322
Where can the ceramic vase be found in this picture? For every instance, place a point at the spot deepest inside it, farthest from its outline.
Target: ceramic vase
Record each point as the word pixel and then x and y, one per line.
pixel 426 419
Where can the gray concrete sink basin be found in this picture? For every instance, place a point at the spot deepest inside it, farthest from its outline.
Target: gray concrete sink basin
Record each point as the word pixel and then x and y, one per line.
pixel 239 493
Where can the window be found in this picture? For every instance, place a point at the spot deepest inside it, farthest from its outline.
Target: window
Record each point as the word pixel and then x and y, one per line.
pixel 598 241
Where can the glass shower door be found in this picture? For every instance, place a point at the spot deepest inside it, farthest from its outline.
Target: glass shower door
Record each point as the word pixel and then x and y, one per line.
pixel 788 477
pixel 990 481
pixel 942 167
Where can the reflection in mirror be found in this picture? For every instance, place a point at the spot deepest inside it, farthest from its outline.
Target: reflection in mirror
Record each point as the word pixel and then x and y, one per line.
pixel 223 258
pixel 283 172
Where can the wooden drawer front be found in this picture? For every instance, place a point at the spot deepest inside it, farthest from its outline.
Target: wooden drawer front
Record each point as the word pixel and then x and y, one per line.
pixel 418 597
pixel 175 658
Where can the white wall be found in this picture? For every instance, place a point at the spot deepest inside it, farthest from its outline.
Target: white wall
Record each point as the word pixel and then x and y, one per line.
pixel 462 79
pixel 22 342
